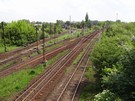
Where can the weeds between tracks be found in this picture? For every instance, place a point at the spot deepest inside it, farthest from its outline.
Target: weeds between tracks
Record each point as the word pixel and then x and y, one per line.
pixel 16 82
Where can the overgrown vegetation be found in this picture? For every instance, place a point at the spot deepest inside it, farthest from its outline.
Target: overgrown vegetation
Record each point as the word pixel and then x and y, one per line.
pixel 9 48
pixel 6 65
pixel 16 82
pixel 23 32
pixel 62 37
pixel 114 62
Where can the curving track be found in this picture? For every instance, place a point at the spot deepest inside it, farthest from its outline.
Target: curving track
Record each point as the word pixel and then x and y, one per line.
pixel 71 86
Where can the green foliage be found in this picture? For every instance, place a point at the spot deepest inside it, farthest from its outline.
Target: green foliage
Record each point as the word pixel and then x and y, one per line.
pixel 12 84
pixel 32 72
pixel 106 95
pixel 90 74
pixel 78 58
pixel 56 58
pixel 9 48
pixel 114 61
pixel 118 80
pixel 6 65
pixel 53 28
pixel 58 26
pixel 92 87
pixel 86 17
pixel 128 62
pixel 19 33
pixel 17 81
pixel 106 53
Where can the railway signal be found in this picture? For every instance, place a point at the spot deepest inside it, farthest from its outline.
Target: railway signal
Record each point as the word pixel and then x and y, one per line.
pixel 3 36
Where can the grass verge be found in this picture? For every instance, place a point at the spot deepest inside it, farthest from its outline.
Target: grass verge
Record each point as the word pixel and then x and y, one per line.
pixel 24 58
pixel 16 82
pixel 9 48
pixel 92 86
pixel 6 65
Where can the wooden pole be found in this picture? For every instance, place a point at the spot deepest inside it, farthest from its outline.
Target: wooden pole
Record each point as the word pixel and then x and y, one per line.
pixel 2 26
pixel 37 39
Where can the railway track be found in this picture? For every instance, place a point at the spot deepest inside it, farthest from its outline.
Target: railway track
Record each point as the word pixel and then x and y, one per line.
pixel 27 55
pixel 48 80
pixel 36 60
pixel 18 52
pixel 70 88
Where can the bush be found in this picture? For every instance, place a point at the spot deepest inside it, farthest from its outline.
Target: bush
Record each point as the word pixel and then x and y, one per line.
pixel 32 72
pixel 106 95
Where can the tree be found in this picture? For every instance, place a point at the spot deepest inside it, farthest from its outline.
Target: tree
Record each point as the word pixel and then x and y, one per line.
pixel 87 21
pixel 106 53
pixel 59 26
pixel 121 78
pixel 21 32
pixel 54 28
pixel 86 18
pixel 3 35
pixel 82 24
pixel 114 58
pixel 51 31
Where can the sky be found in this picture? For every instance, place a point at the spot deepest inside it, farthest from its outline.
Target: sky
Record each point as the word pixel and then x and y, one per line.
pixel 52 10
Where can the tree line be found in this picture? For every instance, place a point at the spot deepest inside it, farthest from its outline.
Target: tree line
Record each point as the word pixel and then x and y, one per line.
pixel 22 32
pixel 114 61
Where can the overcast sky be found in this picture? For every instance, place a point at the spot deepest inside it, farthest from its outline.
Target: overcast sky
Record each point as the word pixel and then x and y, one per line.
pixel 51 10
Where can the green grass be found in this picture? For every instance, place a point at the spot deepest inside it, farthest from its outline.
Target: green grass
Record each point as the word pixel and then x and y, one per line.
pixel 32 55
pixel 75 62
pixel 78 58
pixel 56 57
pixel 92 87
pixel 6 65
pixel 54 46
pixel 9 48
pixel 69 36
pixel 47 49
pixel 65 36
pixel 16 82
pixel 90 74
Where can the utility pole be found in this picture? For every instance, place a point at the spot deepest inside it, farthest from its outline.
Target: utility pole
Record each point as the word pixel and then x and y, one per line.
pixel 51 33
pixel 54 28
pixel 37 38
pixel 69 24
pixel 44 57
pixel 2 26
pixel 116 16
pixel 54 31
pixel 10 35
pixel 50 29
pixel 70 19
